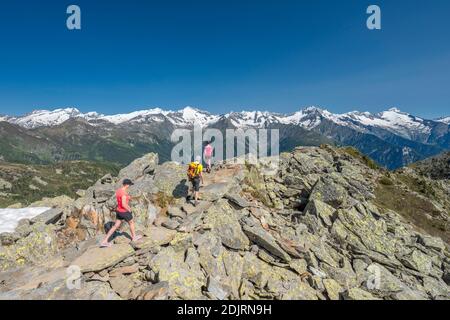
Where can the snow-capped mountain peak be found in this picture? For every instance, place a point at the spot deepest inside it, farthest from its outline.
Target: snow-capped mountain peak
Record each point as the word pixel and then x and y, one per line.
pixel 40 118
pixel 190 116
pixel 395 110
pixel 184 117
pixel 444 120
pixel 132 116
pixel 258 119
pixel 392 120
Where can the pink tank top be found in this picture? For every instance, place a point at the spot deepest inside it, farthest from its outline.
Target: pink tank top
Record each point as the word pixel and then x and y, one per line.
pixel 208 150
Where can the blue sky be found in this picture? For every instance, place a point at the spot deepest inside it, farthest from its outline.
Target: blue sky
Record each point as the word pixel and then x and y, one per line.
pixel 225 55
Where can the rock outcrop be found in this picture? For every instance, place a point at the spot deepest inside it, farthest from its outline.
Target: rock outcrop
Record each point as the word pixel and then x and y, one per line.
pixel 313 230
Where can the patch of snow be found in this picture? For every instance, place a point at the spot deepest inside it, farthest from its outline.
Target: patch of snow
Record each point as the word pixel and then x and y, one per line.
pixel 444 120
pixel 257 119
pixel 393 120
pixel 41 118
pixel 310 117
pixel 121 118
pixel 406 151
pixel 294 118
pixel 9 218
pixel 191 116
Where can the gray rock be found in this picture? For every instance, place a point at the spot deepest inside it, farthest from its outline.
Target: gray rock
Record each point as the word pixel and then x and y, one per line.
pixel 299 265
pixel 103 193
pixel 122 285
pixel 170 224
pixel 155 236
pixel 419 261
pixel 176 212
pixel 191 222
pixel 435 288
pixel 8 238
pixel 216 290
pixel 380 279
pixel 170 179
pixel 320 210
pixel 333 289
pixel 432 242
pixel 215 191
pixel 326 190
pixel 237 200
pixel 224 221
pixel 152 213
pixel 202 206
pixel 357 294
pixel 97 259
pixel 184 281
pixel 264 239
pixel 51 216
pixel 158 291
pixel 139 167
pixel 35 248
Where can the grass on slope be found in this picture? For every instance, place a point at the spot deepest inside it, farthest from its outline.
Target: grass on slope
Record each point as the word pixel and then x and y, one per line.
pixel 33 182
pixel 362 157
pixel 412 199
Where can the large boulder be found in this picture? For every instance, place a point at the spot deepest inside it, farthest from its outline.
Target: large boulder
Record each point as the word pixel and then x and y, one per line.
pixel 57 283
pixel 333 289
pixel 48 217
pixel 183 276
pixel 432 242
pixel 40 244
pixel 358 294
pixel 326 190
pixel 369 232
pixel 171 180
pixel 103 192
pixel 264 239
pixel 224 221
pixel 139 167
pixel 419 261
pixel 97 259
pixel 155 236
pixel 215 191
pixel 122 285
pixel 320 210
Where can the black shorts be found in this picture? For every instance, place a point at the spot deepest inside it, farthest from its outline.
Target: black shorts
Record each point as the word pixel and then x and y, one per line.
pixel 196 183
pixel 127 216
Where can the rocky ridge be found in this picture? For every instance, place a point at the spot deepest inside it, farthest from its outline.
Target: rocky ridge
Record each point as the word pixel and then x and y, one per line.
pixel 313 230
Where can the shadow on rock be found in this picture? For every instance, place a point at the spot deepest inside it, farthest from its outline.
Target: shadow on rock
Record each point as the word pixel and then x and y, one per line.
pixel 181 190
pixel 108 226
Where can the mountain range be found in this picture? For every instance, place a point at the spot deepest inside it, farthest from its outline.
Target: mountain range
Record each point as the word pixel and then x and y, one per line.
pixel 392 138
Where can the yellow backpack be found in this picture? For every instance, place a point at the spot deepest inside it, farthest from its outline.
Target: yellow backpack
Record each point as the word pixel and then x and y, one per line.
pixel 194 170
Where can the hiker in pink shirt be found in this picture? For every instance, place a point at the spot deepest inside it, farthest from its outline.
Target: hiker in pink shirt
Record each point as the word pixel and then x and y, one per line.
pixel 208 153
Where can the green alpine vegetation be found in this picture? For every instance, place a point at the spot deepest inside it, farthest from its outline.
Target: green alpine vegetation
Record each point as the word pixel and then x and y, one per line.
pixel 26 184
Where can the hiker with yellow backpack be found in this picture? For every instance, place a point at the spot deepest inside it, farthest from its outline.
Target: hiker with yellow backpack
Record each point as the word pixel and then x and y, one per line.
pixel 195 176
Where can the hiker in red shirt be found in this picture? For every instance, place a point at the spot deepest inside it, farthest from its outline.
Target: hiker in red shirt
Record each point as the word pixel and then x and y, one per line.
pixel 123 213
